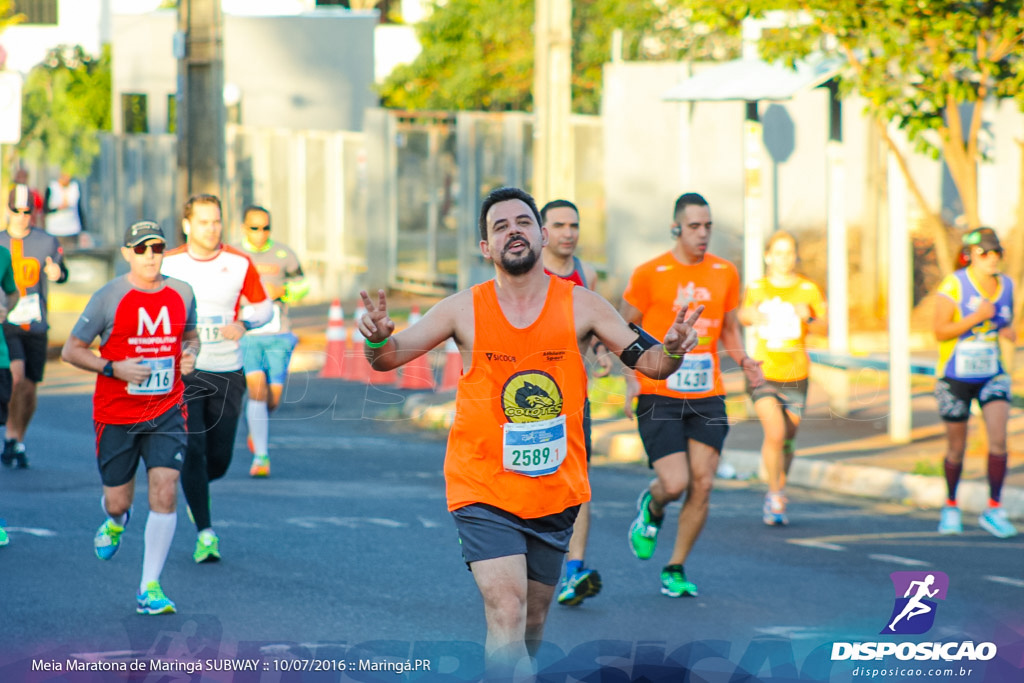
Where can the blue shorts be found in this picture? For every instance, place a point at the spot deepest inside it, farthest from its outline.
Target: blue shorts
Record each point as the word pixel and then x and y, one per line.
pixel 269 354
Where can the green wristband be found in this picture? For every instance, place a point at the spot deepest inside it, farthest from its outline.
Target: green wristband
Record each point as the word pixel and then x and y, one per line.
pixel 375 345
pixel 670 355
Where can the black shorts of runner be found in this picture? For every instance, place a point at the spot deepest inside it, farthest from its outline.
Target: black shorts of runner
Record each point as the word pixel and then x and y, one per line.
pixel 160 442
pixel 667 424
pixel 954 397
pixel 28 347
pixel 486 532
pixel 791 395
pixel 5 392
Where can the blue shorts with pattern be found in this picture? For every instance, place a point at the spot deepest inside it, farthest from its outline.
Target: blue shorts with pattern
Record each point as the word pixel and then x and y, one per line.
pixel 269 354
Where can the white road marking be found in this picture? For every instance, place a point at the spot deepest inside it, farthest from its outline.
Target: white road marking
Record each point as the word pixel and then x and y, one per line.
pixel 1016 583
pixel 817 544
pixel 906 561
pixel 42 533
pixel 347 522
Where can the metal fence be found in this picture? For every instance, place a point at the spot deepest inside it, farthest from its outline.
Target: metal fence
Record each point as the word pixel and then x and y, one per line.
pixel 394 206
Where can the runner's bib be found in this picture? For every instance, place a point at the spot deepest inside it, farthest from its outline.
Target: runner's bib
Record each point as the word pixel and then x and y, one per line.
pixel 209 326
pixel 534 449
pixel 784 326
pixel 696 374
pixel 977 359
pixel 160 380
pixel 26 311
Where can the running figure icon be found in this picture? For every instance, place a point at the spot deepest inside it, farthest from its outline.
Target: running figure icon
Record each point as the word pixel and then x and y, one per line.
pixel 915 606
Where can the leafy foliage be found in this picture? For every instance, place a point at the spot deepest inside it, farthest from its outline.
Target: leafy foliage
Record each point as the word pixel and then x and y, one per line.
pixel 66 102
pixel 925 66
pixel 478 54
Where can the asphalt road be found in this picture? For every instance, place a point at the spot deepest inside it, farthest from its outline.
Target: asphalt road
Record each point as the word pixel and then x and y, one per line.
pixel 347 555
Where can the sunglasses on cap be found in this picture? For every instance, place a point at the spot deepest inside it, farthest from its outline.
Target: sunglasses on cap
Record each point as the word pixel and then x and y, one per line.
pixel 157 247
pixel 255 228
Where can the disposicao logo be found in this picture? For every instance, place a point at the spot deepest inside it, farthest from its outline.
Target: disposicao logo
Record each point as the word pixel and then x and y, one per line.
pixel 914 610
pixel 913 613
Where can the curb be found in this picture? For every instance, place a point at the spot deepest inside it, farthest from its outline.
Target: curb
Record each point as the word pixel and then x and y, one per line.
pixel 865 481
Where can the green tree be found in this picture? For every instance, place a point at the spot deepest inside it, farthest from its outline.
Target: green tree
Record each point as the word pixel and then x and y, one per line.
pixel 926 67
pixel 478 54
pixel 65 103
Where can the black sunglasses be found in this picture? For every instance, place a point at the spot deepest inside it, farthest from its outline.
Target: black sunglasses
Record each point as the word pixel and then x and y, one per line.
pixel 254 228
pixel 986 252
pixel 157 247
pixel 24 212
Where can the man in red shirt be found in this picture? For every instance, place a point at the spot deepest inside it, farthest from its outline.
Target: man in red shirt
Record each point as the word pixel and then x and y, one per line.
pixel 147 328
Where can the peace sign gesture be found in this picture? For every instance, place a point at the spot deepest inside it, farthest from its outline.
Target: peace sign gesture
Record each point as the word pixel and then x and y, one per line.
pixel 376 325
pixel 681 337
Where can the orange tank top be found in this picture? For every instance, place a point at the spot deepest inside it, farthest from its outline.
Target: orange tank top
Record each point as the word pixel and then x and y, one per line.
pixel 517 439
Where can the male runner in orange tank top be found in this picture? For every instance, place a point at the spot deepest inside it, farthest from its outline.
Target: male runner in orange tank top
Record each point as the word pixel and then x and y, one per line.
pixel 515 470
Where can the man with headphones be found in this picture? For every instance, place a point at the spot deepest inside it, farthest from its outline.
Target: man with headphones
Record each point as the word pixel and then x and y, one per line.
pixel 973 311
pixel 682 419
pixel 223 278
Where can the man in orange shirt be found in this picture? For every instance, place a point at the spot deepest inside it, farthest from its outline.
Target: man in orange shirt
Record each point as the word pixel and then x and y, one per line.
pixel 682 419
pixel 516 470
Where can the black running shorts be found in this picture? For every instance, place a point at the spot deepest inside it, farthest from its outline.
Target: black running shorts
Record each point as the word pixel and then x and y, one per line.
pixel 161 442
pixel 667 424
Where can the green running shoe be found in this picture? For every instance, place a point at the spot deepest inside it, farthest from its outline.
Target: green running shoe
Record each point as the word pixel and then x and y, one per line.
pixel 207 549
pixel 108 538
pixel 153 601
pixel 643 533
pixel 674 583
pixel 4 539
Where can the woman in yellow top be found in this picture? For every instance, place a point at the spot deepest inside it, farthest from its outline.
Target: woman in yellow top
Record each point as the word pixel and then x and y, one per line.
pixel 781 308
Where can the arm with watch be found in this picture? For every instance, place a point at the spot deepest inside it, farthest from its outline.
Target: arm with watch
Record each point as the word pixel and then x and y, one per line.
pixel 77 353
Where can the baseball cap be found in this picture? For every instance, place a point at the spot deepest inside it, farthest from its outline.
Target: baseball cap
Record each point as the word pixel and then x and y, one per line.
pixel 19 198
pixel 142 231
pixel 985 238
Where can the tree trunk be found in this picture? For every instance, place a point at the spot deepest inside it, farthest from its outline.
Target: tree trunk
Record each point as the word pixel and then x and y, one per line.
pixel 933 223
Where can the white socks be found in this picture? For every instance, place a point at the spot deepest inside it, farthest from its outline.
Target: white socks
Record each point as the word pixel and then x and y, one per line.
pixel 258 417
pixel 160 528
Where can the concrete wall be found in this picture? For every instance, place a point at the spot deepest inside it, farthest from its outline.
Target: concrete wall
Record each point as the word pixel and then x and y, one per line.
pixel 656 150
pixel 311 71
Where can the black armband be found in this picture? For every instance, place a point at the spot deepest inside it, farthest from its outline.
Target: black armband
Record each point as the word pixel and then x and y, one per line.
pixel 631 354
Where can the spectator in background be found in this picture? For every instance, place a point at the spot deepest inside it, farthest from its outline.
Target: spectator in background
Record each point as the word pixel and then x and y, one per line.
pixel 38 215
pixel 64 211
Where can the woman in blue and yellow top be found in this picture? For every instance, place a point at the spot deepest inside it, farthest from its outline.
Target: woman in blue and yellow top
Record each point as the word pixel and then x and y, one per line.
pixel 973 310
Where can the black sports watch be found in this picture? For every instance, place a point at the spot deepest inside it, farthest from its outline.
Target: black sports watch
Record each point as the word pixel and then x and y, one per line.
pixel 108 369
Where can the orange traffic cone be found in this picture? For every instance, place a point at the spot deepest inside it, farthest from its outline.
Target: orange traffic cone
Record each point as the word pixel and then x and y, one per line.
pixel 357 369
pixel 337 342
pixel 452 366
pixel 419 373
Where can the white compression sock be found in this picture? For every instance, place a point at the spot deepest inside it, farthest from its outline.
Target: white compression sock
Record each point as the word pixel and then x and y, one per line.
pixel 258 417
pixel 160 528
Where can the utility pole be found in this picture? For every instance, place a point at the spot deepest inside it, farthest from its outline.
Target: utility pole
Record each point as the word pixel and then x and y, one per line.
pixel 553 146
pixel 199 49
